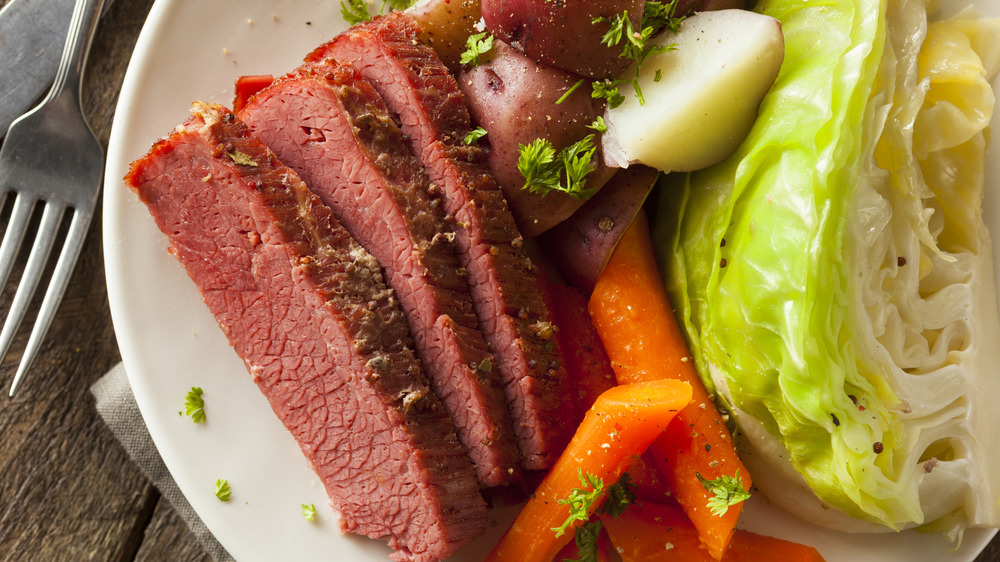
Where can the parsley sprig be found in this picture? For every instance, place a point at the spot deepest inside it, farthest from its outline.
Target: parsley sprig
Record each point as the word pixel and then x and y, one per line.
pixel 474 135
pixel 620 496
pixel 357 11
pixel 194 405
pixel 607 89
pixel 222 490
pixel 636 47
pixel 309 511
pixel 544 170
pixel 476 45
pixel 581 502
pixel 726 491
pixel 586 541
pixel 598 125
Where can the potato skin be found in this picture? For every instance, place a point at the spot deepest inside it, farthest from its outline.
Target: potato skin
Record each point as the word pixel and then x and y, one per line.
pixel 689 7
pixel 446 25
pixel 561 33
pixel 514 99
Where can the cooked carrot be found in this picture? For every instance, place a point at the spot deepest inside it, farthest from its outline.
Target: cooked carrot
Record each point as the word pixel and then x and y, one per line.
pixel 247 86
pixel 586 361
pixel 619 426
pixel 632 314
pixel 651 532
pixel 751 547
pixel 649 482
pixel 602 548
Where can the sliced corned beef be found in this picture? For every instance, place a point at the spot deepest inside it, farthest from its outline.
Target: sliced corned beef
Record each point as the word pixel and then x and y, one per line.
pixel 329 125
pixel 306 309
pixel 505 286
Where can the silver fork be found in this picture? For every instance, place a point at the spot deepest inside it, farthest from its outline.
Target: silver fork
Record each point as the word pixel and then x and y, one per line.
pixel 50 156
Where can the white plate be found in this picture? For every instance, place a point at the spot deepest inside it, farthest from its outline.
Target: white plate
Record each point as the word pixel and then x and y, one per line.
pixel 169 341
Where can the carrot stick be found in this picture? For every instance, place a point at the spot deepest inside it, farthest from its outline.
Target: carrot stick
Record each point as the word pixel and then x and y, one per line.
pixel 632 314
pixel 651 532
pixel 751 547
pixel 571 552
pixel 619 426
pixel 586 361
pixel 649 482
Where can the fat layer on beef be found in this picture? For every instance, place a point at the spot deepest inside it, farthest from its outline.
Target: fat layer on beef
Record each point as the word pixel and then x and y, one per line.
pixel 307 310
pixel 329 125
pixel 506 288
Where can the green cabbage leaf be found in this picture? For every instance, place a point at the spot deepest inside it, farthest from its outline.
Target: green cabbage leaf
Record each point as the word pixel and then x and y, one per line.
pixel 835 278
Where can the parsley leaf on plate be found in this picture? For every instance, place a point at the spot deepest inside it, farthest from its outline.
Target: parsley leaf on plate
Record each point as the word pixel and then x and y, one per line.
pixel 726 491
pixel 222 490
pixel 194 405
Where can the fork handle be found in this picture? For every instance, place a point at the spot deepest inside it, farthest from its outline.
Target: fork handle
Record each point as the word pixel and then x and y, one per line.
pixel 82 28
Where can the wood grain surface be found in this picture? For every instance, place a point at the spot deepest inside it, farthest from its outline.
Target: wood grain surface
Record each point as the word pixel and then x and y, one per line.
pixel 68 490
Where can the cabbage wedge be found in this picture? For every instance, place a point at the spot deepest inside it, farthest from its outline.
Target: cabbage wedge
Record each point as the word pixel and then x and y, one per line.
pixel 835 277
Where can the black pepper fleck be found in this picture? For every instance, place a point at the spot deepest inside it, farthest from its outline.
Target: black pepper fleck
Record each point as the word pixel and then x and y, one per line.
pixel 836 421
pixel 877 447
pixel 900 261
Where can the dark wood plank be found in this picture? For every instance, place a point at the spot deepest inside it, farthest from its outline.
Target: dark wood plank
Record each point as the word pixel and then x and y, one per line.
pixel 167 534
pixel 69 491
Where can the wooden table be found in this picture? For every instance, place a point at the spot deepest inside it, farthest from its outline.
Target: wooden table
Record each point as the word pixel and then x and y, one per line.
pixel 68 490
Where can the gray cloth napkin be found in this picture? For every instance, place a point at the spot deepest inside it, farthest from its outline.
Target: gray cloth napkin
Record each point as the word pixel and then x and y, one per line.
pixel 118 408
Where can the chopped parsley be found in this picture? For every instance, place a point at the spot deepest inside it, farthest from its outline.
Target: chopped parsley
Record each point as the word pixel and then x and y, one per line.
pixel 544 170
pixel 357 11
pixel 222 490
pixel 536 162
pixel 354 11
pixel 474 135
pixel 660 16
pixel 194 405
pixel 608 90
pixel 309 512
pixel 571 89
pixel 586 541
pixel 620 496
pixel 726 491
pixel 598 125
pixel 581 500
pixel 656 17
pixel 476 45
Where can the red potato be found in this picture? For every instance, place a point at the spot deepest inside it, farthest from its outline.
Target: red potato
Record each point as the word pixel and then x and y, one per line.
pixel 562 33
pixel 446 25
pixel 688 7
pixel 514 99
pixel 581 245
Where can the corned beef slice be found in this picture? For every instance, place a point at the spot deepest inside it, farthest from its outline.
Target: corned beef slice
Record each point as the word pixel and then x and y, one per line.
pixel 505 286
pixel 306 309
pixel 329 125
